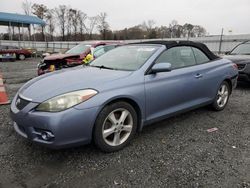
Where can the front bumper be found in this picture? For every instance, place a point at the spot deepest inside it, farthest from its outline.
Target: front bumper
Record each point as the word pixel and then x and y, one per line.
pixel 244 73
pixel 244 77
pixel 69 128
pixel 41 72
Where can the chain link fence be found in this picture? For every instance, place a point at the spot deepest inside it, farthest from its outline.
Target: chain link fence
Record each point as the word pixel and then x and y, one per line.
pixel 217 44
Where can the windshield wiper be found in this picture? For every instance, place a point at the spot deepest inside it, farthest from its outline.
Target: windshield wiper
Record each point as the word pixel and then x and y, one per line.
pixel 102 67
pixel 239 54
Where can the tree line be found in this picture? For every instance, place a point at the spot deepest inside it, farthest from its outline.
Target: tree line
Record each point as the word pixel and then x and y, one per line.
pixel 75 25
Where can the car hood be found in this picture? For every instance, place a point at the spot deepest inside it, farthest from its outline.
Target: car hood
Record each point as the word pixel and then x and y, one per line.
pixel 60 56
pixel 50 85
pixel 238 58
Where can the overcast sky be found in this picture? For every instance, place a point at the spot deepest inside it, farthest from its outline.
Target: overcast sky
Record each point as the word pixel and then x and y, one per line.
pixel 213 15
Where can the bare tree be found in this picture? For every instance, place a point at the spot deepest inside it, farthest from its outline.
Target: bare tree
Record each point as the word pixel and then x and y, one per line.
pixel 199 31
pixel 76 25
pixel 148 25
pixel 149 28
pixel 103 25
pixel 163 32
pixel 82 26
pixel 92 22
pixel 188 30
pixel 172 27
pixel 61 12
pixel 136 32
pixel 75 21
pixel 69 17
pixel 40 11
pixel 27 7
pixel 50 22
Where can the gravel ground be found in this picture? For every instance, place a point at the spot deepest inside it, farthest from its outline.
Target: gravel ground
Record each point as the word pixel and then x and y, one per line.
pixel 177 152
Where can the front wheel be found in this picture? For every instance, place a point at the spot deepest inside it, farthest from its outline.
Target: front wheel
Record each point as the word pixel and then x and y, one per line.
pixel 115 127
pixel 222 97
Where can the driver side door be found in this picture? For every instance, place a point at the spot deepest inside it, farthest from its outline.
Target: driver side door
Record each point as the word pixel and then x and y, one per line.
pixel 174 91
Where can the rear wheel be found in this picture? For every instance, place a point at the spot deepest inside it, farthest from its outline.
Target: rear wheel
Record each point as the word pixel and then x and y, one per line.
pixel 21 56
pixel 115 127
pixel 222 96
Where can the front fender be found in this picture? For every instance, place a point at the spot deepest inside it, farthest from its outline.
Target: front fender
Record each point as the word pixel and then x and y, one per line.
pixel 134 92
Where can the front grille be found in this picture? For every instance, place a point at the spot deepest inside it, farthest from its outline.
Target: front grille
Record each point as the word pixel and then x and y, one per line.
pixel 241 66
pixel 21 103
pixel 59 64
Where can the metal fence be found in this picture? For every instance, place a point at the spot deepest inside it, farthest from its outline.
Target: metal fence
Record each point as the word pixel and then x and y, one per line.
pixel 215 43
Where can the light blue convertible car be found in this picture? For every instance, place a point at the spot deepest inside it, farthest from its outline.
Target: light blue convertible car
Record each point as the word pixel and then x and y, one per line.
pixel 119 93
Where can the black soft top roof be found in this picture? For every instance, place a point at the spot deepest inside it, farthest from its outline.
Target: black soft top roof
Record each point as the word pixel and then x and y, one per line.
pixel 170 44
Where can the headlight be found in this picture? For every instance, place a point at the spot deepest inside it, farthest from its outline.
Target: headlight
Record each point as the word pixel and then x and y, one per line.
pixel 65 101
pixel 41 63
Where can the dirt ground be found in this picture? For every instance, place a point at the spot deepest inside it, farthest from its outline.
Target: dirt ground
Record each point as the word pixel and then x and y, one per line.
pixel 177 152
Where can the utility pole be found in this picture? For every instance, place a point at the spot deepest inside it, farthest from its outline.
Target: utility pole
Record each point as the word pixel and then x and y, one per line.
pixel 221 40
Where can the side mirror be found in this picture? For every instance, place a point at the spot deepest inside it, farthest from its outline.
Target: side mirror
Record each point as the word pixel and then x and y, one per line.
pixel 227 53
pixel 161 67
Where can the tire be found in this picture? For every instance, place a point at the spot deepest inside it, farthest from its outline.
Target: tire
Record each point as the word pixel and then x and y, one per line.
pixel 21 57
pixel 222 97
pixel 120 122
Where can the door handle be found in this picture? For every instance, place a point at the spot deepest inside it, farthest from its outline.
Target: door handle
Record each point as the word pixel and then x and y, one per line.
pixel 198 76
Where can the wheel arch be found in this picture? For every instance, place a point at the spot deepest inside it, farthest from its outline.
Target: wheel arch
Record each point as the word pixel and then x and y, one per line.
pixel 130 101
pixel 228 80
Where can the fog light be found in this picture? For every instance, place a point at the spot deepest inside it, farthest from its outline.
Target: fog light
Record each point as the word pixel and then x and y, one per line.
pixel 46 135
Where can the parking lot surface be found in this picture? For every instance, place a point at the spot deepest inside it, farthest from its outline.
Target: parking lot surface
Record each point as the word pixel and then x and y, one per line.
pixel 177 152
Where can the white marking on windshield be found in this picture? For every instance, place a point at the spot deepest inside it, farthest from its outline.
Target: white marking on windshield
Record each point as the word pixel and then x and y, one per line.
pixel 145 49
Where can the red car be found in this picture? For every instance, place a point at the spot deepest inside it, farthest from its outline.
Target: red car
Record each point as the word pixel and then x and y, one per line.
pixel 73 57
pixel 20 53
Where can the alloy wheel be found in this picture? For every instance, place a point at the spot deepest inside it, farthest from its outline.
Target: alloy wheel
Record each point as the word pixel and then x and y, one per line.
pixel 222 95
pixel 117 127
pixel 22 57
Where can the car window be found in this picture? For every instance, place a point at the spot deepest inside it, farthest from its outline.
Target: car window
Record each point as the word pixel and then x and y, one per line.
pixel 200 56
pixel 242 49
pixel 130 57
pixel 107 48
pixel 181 56
pixel 98 52
pixel 101 51
pixel 80 48
pixel 97 48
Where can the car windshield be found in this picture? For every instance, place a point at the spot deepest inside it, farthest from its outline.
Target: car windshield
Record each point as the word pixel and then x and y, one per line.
pixel 81 48
pixel 98 48
pixel 242 49
pixel 129 58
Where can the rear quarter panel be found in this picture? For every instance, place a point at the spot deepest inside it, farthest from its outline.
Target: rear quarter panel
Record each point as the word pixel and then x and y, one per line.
pixel 215 73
